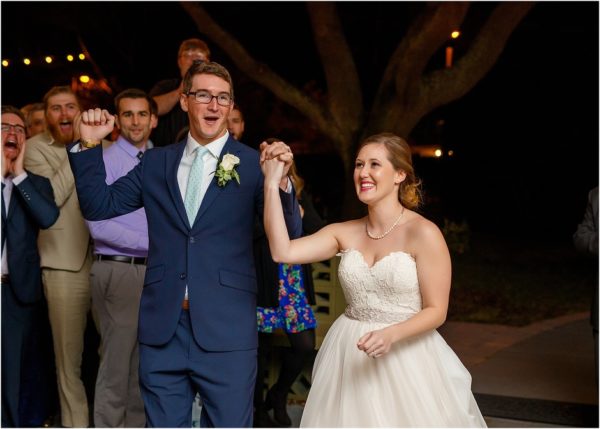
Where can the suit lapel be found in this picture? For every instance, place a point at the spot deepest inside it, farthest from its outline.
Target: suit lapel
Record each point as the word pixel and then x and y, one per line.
pixel 173 159
pixel 11 203
pixel 3 221
pixel 215 190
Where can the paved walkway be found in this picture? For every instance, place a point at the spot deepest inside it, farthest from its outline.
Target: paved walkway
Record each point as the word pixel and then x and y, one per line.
pixel 552 359
pixel 541 375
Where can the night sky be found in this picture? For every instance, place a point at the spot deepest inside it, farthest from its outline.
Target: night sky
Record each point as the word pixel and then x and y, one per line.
pixel 525 139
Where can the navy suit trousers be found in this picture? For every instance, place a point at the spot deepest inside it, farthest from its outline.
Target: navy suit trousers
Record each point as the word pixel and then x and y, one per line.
pixel 172 374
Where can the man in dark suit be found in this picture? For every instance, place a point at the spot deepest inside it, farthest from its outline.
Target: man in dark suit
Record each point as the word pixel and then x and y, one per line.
pixel 197 324
pixel 27 205
pixel 585 239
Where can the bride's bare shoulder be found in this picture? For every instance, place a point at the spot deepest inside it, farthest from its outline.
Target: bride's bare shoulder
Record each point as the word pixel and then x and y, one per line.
pixel 419 227
pixel 346 228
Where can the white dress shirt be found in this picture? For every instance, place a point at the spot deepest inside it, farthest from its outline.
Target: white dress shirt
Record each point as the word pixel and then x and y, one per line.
pixel 211 156
pixel 210 159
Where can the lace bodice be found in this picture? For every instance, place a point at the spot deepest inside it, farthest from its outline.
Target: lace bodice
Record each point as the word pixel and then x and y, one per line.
pixel 387 292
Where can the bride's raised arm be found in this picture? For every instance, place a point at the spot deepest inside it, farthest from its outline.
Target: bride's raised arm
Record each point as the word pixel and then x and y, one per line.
pixel 313 248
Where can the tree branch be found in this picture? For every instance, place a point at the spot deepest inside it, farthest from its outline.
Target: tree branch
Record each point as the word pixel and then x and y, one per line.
pixel 343 85
pixel 443 86
pixel 260 72
pixel 399 85
pixel 423 38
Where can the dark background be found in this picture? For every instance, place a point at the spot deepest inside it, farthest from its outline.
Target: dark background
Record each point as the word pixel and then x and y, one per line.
pixel 525 138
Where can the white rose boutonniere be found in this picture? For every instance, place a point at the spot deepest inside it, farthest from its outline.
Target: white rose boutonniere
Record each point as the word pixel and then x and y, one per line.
pixel 226 170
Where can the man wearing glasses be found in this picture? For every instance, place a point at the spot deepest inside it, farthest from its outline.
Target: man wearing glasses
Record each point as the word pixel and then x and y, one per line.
pixel 197 325
pixel 166 93
pixel 27 205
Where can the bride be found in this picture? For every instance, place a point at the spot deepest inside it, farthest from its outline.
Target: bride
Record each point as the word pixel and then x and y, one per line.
pixel 382 363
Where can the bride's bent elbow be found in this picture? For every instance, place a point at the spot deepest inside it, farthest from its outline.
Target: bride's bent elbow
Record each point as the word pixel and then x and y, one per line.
pixel 276 258
pixel 441 319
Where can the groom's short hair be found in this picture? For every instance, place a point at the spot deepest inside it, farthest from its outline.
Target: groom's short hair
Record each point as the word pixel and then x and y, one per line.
pixel 204 67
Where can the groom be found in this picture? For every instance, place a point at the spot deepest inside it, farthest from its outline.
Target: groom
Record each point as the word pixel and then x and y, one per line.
pixel 197 323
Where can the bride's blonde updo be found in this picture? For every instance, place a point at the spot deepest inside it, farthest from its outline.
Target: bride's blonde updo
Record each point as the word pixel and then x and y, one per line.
pixel 399 155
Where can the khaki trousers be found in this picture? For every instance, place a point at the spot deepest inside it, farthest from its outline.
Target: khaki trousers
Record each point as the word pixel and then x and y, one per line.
pixel 116 291
pixel 69 300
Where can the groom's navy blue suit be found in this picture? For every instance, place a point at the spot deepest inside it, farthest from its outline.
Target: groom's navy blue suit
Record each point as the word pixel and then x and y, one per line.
pixel 213 257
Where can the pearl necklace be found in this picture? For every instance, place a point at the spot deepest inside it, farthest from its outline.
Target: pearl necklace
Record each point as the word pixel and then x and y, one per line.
pixel 379 237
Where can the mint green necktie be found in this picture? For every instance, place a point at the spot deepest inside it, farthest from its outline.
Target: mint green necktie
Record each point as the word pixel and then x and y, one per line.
pixel 194 184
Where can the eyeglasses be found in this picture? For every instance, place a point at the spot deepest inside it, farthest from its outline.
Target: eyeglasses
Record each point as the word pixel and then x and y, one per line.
pixel 206 97
pixel 17 129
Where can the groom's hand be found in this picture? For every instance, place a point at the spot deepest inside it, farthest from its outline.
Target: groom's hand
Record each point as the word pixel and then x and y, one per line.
pixel 94 124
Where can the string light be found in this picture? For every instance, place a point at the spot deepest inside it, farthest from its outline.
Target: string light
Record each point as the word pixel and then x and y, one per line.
pixel 84 78
pixel 455 34
pixel 438 153
pixel 44 59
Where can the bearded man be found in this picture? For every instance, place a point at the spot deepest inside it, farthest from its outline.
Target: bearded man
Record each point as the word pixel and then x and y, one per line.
pixel 65 253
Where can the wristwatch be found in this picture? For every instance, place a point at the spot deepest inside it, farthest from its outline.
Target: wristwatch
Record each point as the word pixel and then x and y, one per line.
pixel 90 143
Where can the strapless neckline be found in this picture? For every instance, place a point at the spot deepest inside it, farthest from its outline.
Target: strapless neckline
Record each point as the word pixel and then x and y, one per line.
pixel 389 255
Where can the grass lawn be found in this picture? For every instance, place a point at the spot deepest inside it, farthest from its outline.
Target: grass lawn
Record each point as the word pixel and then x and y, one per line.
pixel 500 280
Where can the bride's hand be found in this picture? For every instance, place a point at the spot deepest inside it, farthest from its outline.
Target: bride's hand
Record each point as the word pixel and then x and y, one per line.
pixel 272 170
pixel 375 343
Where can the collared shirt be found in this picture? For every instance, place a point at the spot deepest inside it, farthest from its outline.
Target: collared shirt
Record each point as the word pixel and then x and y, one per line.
pixel 211 157
pixel 9 183
pixel 127 234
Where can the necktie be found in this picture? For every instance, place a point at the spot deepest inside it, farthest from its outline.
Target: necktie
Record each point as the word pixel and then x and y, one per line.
pixel 139 155
pixel 194 184
pixel 3 220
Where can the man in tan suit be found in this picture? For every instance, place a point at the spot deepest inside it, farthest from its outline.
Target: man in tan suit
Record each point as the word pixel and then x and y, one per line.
pixel 65 253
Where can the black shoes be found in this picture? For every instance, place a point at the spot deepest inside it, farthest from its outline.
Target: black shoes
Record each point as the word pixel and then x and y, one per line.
pixel 262 419
pixel 278 403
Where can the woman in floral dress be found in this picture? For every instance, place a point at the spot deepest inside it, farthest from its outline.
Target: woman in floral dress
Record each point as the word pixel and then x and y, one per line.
pixel 286 306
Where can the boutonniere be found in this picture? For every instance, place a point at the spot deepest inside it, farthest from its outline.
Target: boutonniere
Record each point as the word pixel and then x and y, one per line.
pixel 226 170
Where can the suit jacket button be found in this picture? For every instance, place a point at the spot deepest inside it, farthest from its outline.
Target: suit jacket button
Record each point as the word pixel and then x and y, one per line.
pixel 192 240
pixel 182 276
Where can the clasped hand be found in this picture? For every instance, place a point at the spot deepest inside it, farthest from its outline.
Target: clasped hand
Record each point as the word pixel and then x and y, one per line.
pixel 275 161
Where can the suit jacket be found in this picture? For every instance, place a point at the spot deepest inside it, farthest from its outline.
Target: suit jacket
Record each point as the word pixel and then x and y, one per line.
pixel 213 257
pixel 586 242
pixel 64 246
pixel 31 207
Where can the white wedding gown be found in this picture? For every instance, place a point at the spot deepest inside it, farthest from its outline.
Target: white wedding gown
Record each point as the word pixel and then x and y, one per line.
pixel 419 383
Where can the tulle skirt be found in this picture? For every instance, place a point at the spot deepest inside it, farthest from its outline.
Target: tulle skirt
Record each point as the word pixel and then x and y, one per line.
pixel 419 383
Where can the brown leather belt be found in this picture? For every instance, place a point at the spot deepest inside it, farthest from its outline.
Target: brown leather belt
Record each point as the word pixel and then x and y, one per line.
pixel 186 304
pixel 5 279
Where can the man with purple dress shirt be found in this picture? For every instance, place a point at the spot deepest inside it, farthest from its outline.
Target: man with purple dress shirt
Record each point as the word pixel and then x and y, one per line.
pixel 117 276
